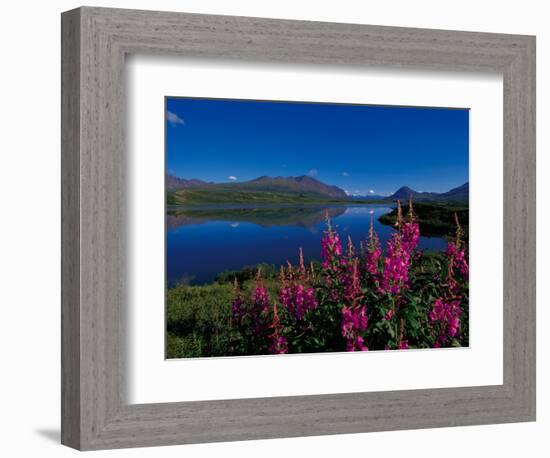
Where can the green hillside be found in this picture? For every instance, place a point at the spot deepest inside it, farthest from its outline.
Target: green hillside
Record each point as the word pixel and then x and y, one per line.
pixel 230 194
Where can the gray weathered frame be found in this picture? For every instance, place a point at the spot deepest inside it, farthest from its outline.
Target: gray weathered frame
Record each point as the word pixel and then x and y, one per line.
pixel 95 414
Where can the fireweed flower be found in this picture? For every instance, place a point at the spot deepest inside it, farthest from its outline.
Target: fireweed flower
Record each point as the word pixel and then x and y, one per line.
pixel 285 297
pixel 302 300
pixel 403 345
pixel 399 253
pixel 456 253
pixel 278 345
pixel 446 314
pixel 410 231
pixel 330 245
pixel 261 298
pixel 277 342
pixel 260 306
pixel 446 311
pixel 354 322
pixel 450 281
pixel 374 251
pixel 458 258
pixel 395 276
pixel 285 293
pixel 295 296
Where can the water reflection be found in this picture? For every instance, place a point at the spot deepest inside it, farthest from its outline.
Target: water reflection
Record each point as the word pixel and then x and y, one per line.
pixel 204 241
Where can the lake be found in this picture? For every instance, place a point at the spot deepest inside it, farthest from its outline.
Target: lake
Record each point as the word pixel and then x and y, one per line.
pixel 201 242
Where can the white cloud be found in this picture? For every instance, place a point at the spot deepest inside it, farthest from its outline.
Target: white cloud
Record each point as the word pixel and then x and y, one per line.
pixel 313 173
pixel 173 119
pixel 371 191
pixel 232 178
pixel 345 174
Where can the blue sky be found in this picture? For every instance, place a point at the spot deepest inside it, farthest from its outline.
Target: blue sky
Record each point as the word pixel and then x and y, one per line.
pixel 360 148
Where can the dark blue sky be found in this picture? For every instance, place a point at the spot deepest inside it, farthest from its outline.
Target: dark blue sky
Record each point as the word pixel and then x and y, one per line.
pixel 359 148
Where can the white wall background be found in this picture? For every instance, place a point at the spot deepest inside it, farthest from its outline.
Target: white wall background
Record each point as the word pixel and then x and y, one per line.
pixel 29 228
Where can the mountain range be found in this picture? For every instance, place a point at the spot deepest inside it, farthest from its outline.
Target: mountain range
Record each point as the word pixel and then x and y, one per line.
pixel 267 189
pixel 304 183
pixel 174 183
pixel 460 193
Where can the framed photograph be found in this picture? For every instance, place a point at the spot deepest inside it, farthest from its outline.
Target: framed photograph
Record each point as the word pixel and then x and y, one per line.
pixel 300 257
pixel 280 228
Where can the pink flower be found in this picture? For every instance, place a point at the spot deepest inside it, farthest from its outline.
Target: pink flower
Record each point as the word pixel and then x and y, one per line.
pixel 446 315
pixel 354 321
pixel 304 300
pixel 331 247
pixel 410 234
pixel 399 253
pixel 261 298
pixel 410 230
pixel 298 299
pixel 374 251
pixel 285 296
pixel 358 344
pixel 458 258
pixel 371 261
pixel 395 276
pixel 278 345
pixel 403 345
pixel 260 307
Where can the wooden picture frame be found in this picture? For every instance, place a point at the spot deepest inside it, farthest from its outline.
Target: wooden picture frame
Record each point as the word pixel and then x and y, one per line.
pixel 95 412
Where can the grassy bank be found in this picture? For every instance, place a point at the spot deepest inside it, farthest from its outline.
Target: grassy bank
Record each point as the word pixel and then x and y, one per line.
pixel 198 317
pixel 220 195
